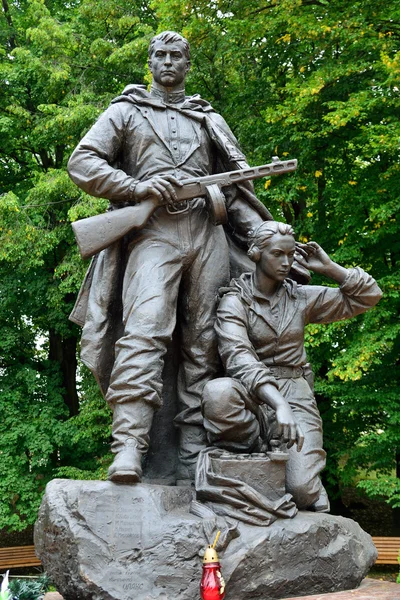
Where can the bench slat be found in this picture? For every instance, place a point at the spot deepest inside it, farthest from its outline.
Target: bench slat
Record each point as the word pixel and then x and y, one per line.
pixel 388 550
pixel 386 561
pixel 18 556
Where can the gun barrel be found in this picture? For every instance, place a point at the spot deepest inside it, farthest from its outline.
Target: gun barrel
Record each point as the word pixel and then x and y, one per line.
pixel 197 186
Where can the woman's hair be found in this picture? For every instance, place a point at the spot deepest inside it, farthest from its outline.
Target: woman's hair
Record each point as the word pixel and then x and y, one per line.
pixel 170 37
pixel 261 236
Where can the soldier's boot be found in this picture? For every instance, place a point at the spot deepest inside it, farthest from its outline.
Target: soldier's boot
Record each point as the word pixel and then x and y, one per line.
pixel 321 505
pixel 131 427
pixel 192 439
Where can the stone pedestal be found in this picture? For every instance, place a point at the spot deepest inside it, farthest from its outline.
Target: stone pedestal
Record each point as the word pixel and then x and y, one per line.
pixel 104 541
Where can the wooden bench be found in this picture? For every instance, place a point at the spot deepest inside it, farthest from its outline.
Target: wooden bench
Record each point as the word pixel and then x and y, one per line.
pixel 17 557
pixel 388 550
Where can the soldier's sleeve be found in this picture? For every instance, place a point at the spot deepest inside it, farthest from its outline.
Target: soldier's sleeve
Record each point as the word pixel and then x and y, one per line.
pixel 91 164
pixel 237 352
pixel 358 293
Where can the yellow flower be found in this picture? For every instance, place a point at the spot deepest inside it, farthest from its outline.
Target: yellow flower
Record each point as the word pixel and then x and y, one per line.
pixel 318 173
pixel 267 184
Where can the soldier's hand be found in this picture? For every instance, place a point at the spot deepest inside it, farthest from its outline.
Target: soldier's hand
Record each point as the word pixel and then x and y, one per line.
pixel 289 431
pixel 159 188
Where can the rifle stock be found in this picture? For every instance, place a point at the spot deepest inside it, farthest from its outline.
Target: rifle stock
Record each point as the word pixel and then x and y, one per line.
pixel 93 234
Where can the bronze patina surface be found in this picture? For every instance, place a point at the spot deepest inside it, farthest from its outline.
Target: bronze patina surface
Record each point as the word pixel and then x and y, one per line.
pixel 164 277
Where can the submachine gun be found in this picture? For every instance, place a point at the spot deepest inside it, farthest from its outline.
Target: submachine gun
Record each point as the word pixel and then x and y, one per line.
pixel 93 234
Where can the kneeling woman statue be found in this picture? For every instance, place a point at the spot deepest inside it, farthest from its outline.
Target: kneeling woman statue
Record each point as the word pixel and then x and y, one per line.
pixel 260 326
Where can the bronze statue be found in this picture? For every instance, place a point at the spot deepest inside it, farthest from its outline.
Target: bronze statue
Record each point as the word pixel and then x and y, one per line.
pixel 153 287
pixel 169 271
pixel 260 326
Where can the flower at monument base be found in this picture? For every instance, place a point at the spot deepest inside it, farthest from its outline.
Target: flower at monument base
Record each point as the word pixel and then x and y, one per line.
pixel 4 591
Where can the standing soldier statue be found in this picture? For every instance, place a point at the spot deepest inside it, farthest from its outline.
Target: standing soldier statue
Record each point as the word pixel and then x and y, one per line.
pixel 167 272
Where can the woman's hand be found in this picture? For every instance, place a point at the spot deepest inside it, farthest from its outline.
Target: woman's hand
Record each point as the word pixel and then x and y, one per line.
pixel 313 257
pixel 287 429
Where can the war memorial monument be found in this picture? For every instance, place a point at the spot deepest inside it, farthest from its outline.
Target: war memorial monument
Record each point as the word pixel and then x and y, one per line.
pixel 193 313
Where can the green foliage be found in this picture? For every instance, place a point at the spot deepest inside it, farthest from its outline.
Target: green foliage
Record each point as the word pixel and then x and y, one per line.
pixel 311 79
pixel 383 487
pixel 52 91
pixel 24 589
pixel 398 576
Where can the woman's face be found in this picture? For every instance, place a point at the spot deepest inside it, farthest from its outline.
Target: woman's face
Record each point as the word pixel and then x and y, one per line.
pixel 277 258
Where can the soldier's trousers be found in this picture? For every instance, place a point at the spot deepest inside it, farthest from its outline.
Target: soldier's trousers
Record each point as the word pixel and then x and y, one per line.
pixel 174 269
pixel 232 421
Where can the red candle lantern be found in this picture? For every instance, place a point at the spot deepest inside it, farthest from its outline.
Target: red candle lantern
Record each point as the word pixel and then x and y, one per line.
pixel 212 586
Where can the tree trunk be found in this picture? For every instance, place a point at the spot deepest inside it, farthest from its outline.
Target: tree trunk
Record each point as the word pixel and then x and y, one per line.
pixel 396 511
pixel 11 39
pixel 63 351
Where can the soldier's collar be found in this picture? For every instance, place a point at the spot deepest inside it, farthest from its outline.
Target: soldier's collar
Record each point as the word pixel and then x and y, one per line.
pixel 288 286
pixel 138 94
pixel 273 300
pixel 249 292
pixel 176 97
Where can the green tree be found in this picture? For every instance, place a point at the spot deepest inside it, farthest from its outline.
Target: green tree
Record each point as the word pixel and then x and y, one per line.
pixel 60 64
pixel 312 79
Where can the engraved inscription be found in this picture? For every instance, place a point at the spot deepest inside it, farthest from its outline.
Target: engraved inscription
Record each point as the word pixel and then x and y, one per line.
pixel 125 524
pixel 132 586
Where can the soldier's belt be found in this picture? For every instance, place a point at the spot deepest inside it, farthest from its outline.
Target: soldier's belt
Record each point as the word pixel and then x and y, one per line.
pixel 184 206
pixel 286 372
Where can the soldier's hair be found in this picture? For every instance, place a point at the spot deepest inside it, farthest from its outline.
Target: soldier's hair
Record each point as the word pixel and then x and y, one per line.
pixel 170 37
pixel 261 236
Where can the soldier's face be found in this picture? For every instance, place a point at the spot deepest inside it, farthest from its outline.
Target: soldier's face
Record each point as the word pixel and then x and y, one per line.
pixel 277 258
pixel 168 64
